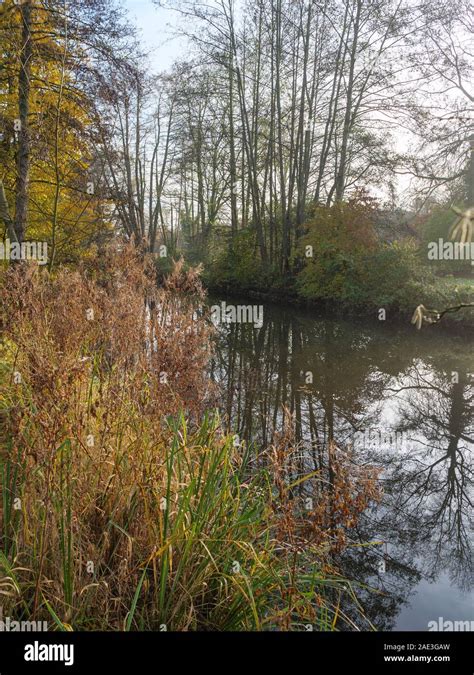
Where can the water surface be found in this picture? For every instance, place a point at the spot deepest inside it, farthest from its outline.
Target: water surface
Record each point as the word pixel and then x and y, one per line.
pixel 404 400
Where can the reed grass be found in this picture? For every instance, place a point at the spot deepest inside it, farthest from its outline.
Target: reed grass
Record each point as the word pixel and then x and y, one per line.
pixel 124 504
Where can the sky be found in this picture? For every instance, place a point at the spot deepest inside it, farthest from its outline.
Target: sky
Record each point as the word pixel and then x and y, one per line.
pixel 155 24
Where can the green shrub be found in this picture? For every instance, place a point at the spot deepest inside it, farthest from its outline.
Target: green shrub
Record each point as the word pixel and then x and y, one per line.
pixel 237 266
pixel 348 265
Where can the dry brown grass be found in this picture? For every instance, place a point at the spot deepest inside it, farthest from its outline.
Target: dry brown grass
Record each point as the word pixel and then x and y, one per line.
pixel 123 504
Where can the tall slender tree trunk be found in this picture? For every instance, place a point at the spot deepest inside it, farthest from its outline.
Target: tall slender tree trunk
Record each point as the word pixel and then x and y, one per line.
pixel 233 165
pixel 285 251
pixel 470 175
pixel 23 161
pixel 5 214
pixel 340 181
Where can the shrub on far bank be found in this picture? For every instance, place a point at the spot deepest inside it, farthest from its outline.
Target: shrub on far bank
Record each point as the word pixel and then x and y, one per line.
pixel 343 262
pixel 238 267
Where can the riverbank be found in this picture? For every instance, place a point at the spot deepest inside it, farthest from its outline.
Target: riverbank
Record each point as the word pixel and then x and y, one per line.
pixel 445 292
pixel 128 504
pixel 342 266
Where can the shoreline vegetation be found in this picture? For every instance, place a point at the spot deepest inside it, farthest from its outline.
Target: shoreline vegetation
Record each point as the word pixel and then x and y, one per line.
pixel 125 505
pixel 460 323
pixel 342 267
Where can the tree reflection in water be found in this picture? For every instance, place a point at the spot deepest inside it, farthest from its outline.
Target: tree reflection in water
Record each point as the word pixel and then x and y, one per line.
pixel 341 380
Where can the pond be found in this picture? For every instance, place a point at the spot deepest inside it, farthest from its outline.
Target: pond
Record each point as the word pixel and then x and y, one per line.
pixel 403 401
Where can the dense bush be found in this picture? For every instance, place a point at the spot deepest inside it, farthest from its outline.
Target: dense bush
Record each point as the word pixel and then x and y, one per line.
pixel 237 266
pixel 343 261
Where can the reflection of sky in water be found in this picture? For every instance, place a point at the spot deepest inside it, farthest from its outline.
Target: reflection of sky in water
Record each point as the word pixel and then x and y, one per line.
pixel 430 601
pixel 358 373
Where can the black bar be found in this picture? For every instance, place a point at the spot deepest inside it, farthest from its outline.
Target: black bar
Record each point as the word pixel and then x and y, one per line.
pixel 244 652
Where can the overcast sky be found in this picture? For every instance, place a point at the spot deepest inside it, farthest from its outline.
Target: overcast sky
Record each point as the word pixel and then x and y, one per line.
pixel 155 24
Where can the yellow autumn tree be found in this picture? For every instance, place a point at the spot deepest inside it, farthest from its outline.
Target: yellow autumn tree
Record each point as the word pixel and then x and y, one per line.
pixel 64 206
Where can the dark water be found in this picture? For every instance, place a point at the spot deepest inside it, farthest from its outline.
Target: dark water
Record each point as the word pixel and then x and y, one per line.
pixel 404 399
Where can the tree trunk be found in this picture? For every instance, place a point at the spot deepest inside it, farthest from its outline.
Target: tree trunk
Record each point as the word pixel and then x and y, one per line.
pixel 23 162
pixel 5 214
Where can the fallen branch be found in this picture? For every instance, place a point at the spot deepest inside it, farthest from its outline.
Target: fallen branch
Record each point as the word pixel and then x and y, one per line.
pixel 423 315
